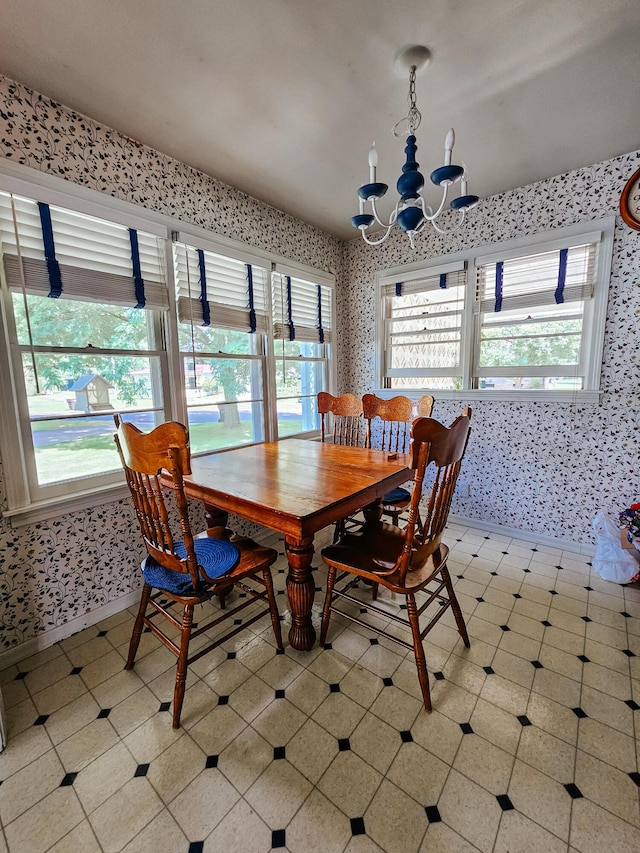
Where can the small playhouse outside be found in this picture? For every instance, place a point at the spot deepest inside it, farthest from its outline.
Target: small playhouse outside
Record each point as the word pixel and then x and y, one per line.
pixel 92 394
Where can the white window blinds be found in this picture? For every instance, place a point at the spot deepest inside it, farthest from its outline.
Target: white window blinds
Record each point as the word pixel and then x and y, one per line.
pixel 556 276
pixel 96 258
pixel 301 309
pixel 234 289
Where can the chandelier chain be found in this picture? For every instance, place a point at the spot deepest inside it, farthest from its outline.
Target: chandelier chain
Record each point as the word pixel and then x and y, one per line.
pixel 414 115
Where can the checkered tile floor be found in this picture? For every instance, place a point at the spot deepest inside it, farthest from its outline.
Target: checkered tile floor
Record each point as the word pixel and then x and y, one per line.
pixel 533 744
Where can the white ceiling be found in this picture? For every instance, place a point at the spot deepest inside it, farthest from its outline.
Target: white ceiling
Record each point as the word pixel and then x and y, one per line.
pixel 282 98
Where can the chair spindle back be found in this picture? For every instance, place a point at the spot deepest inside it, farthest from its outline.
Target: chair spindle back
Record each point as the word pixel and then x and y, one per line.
pixel 346 412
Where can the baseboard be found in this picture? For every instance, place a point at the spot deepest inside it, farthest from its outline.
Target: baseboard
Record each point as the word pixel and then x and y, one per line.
pixel 36 644
pixel 528 535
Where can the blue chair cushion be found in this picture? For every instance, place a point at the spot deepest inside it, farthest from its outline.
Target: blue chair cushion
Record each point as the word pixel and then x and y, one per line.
pixel 215 556
pixel 396 495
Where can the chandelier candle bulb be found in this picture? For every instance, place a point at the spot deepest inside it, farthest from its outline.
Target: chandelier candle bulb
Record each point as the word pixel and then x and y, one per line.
pixel 373 162
pixel 449 142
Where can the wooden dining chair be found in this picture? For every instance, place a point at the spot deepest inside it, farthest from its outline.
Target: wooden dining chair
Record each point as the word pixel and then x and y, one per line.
pixel 346 425
pixel 410 562
pixel 187 570
pixel 388 427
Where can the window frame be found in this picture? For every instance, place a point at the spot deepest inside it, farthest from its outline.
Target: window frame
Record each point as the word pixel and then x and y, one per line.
pixel 24 505
pixel 593 325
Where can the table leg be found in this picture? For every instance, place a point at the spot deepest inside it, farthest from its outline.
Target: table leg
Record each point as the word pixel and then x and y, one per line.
pixel 215 517
pixel 373 513
pixel 300 591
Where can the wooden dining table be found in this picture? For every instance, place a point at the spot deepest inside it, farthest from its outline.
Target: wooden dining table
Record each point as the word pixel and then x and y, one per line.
pixel 295 487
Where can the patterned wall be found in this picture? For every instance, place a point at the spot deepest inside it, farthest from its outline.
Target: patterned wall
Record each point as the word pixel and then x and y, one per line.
pixel 580 458
pixel 535 466
pixel 56 570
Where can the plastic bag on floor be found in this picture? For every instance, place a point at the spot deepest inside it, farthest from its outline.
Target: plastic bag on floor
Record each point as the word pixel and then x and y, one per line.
pixel 611 561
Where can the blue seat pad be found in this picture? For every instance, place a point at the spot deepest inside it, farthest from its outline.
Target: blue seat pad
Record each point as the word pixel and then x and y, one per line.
pixel 396 495
pixel 215 556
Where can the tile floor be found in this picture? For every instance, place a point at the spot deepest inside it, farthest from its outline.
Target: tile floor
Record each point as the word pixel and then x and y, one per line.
pixel 533 744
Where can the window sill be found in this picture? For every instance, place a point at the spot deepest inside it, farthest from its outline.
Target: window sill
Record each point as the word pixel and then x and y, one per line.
pixel 55 507
pixel 511 396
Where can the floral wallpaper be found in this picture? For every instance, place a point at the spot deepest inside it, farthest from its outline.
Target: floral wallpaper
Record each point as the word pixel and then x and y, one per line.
pixel 56 570
pixel 534 466
pixel 581 457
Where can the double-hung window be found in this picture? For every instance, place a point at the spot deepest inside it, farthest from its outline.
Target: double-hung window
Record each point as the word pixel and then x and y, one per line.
pixel 223 320
pixel 84 298
pixel 518 320
pixel 302 332
pixel 422 319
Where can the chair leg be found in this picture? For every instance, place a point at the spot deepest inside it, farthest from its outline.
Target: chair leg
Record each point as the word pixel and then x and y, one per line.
pixel 326 610
pixel 418 650
pixel 455 606
pixel 181 667
pixel 138 626
pixel 338 531
pixel 374 591
pixel 273 607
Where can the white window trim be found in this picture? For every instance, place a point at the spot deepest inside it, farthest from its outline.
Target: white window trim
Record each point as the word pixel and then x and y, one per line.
pixel 598 230
pixel 22 180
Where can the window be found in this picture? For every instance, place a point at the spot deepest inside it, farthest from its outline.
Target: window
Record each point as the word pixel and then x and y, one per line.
pixel 82 349
pixel 523 320
pixel 107 308
pixel 302 317
pixel 423 329
pixel 222 323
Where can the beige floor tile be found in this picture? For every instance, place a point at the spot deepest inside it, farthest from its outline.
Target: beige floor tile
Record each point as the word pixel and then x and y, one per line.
pixel 29 785
pixel 45 823
pixel 241 825
pixel 337 783
pixel 251 698
pixel 102 668
pixel 608 787
pixel 350 644
pixel 517 644
pixel 593 830
pixel 116 688
pixel 22 749
pixel 72 717
pixel 48 673
pixel 495 725
pixel 479 652
pixel 396 708
pixel 384 662
pixel 418 773
pixel 43 656
pixel 564 640
pixel 120 818
pixel 59 694
pixel 339 715
pixel 312 749
pixel 307 691
pixel 82 748
pixel 440 838
pixel 567 605
pixel 330 666
pixel 175 768
pixel 162 833
pixel 104 776
pixel 484 763
pixel 245 759
pixel 547 753
pixel 394 820
pixel 608 744
pixel 470 810
pixel 20 717
pixel 318 827
pixel 215 731
pixel 230 674
pixel 480 629
pixel 14 692
pixel 152 738
pixel 135 710
pixel 278 793
pixel 613 683
pixel 525 625
pixel 90 651
pixel 506 694
pixel 154 664
pixel 361 685
pixel 81 837
pixel 607 656
pixel 540 798
pixel 561 662
pixel 203 804
pixel 279 722
pixel 518 833
pixel 464 673
pixel 514 668
pixel 553 718
pixel 607 709
pixel 558 687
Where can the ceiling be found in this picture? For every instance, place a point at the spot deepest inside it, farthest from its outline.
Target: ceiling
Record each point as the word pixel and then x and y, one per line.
pixel 282 98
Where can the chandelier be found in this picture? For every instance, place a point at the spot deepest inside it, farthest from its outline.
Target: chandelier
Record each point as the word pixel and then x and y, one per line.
pixel 411 213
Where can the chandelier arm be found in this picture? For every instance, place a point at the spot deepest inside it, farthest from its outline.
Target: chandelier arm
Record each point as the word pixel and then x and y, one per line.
pixel 435 215
pixel 392 217
pixel 461 217
pixel 377 242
